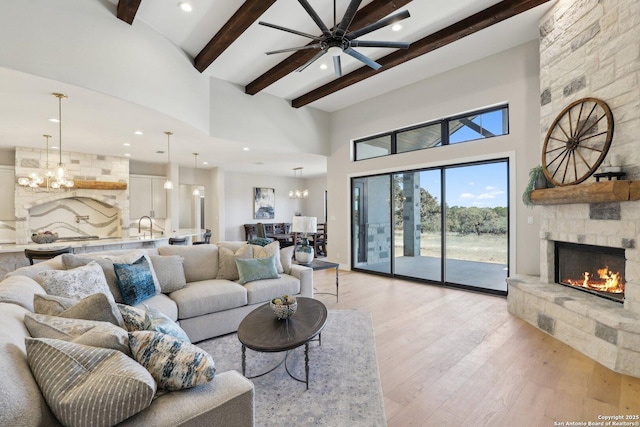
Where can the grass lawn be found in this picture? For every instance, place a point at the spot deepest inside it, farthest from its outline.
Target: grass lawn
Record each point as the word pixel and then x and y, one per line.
pixel 471 247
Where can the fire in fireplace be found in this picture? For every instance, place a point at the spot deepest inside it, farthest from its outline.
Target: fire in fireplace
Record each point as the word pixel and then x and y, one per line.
pixel 595 269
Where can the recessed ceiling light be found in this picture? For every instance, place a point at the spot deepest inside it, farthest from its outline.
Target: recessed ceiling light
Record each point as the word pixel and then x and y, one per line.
pixel 138 132
pixel 126 144
pixel 205 163
pixel 245 149
pixel 396 27
pixel 54 120
pixel 54 147
pixel 127 155
pixel 185 7
pixel 323 66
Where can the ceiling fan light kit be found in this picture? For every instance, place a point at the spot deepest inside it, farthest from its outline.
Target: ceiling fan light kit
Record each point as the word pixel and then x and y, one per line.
pixel 339 40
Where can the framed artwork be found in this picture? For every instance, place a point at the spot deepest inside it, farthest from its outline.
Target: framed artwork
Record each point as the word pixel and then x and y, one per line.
pixel 264 203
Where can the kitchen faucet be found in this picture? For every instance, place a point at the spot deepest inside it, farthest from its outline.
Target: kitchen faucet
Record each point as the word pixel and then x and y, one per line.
pixel 150 224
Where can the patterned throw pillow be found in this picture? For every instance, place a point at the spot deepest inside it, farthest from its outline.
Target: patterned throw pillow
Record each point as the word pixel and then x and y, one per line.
pixel 170 272
pixel 79 331
pixel 227 268
pixel 257 269
pixel 94 307
pixel 135 281
pixel 77 283
pixel 173 363
pixel 88 386
pixel 272 249
pixel 155 321
pixel 74 261
pixel 133 317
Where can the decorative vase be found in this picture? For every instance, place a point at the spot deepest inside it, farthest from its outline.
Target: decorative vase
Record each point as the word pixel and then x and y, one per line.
pixel 304 252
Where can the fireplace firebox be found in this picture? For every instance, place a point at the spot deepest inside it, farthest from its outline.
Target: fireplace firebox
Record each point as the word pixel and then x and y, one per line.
pixel 595 269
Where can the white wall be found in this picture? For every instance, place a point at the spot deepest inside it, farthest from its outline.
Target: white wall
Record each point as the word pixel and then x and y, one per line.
pixel 82 43
pixel 510 76
pixel 238 191
pixel 266 119
pixel 314 204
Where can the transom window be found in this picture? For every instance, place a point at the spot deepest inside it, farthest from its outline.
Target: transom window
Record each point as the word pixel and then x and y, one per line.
pixel 480 124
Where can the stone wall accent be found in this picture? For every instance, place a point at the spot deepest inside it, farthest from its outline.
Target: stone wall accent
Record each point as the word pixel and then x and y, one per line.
pixel 79 166
pixel 589 48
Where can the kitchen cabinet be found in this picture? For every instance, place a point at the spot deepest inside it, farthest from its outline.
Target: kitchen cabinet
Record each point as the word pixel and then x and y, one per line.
pixel 147 196
pixel 7 207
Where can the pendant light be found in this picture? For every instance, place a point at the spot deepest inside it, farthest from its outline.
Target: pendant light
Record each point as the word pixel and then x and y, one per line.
pixel 296 193
pixel 168 185
pixel 196 191
pixel 61 177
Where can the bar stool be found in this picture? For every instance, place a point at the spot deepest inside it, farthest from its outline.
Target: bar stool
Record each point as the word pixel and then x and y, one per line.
pixel 44 253
pixel 177 240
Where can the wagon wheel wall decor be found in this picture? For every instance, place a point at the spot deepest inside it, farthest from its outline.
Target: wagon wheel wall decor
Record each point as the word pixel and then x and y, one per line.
pixel 577 142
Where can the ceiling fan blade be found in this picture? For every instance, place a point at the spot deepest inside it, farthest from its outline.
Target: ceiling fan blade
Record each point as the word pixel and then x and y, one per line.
pixel 336 66
pixel 294 49
pixel 360 57
pixel 347 18
pixel 368 43
pixel 312 13
pixel 312 60
pixel 379 24
pixel 288 30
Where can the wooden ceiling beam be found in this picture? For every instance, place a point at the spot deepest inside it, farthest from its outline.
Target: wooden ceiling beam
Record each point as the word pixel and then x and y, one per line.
pixel 474 23
pixel 246 15
pixel 369 14
pixel 127 10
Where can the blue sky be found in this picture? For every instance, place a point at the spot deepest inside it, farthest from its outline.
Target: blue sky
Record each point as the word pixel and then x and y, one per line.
pixel 478 185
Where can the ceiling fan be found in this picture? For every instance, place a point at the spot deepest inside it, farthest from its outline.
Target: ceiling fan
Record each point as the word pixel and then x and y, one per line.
pixel 338 39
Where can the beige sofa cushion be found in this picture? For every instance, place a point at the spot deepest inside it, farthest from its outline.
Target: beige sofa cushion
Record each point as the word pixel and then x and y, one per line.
pixel 267 289
pixel 208 296
pixel 162 303
pixel 200 261
pixel 20 290
pixel 21 403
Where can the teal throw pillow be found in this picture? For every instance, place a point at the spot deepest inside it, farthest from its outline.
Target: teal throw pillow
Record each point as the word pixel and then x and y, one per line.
pixel 135 281
pixel 257 269
pixel 260 241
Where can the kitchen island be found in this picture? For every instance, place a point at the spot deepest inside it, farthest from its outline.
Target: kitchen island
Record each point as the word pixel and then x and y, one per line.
pixel 12 256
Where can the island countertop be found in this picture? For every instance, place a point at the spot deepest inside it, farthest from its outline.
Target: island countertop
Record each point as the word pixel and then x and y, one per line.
pixel 105 242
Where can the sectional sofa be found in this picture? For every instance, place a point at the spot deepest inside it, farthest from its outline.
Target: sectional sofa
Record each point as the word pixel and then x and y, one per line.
pixel 204 296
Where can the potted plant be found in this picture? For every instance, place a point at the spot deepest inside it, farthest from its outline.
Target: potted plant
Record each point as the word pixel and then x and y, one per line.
pixel 537 180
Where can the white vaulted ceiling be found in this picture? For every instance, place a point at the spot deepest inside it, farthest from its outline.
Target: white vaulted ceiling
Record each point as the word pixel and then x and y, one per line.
pixel 108 122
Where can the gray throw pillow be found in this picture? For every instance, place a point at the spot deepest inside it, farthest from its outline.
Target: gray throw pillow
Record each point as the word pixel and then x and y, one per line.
pixel 88 385
pixel 94 307
pixel 170 272
pixel 79 331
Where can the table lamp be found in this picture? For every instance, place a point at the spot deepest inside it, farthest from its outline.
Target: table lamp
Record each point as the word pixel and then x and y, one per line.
pixel 304 225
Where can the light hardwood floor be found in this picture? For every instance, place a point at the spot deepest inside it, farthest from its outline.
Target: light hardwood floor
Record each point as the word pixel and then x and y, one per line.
pixel 457 358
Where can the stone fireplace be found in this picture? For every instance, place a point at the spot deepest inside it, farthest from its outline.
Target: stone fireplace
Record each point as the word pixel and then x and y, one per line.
pixel 589 48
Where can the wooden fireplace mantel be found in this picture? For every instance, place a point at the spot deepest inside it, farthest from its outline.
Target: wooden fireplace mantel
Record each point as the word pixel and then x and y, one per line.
pixel 98 185
pixel 595 192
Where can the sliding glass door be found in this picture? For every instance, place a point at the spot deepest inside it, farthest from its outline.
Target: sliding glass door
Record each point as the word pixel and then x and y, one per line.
pixel 417 225
pixel 446 225
pixel 476 212
pixel 371 223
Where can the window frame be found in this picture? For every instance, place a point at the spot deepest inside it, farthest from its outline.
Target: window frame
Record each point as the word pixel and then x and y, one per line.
pixel 444 132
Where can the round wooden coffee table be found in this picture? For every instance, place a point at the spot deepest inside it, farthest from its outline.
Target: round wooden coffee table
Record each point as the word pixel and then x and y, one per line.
pixel 262 331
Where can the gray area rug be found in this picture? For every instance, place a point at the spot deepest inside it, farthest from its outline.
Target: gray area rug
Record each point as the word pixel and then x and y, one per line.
pixel 344 382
